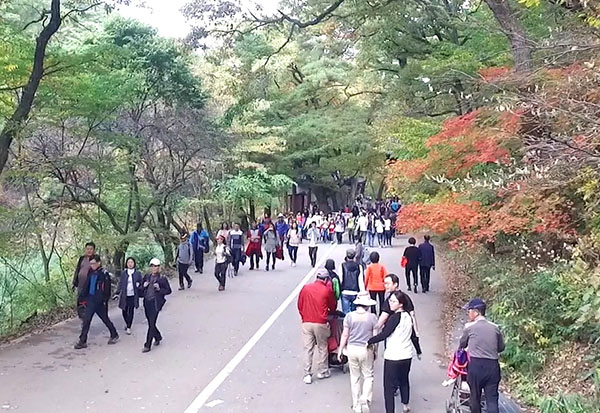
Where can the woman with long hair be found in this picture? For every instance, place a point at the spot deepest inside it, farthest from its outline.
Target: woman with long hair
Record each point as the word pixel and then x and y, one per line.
pixel 294 238
pixel 271 242
pixel 254 250
pixel 128 290
pixel 224 232
pixel 222 259
pixel 400 343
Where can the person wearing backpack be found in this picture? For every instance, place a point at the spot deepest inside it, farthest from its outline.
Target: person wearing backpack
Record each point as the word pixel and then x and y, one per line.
pixel 185 256
pixel 374 280
pixel 352 282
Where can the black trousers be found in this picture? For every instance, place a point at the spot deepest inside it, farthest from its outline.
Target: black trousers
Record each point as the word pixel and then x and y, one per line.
pixel 351 236
pixel 374 296
pixel 312 253
pixel 293 251
pixel 236 258
pixel 271 257
pixel 183 273
pixel 151 316
pixel 252 256
pixel 408 271
pixel 395 375
pixel 101 309
pixel 388 237
pixel 483 374
pixel 425 276
pixel 221 272
pixel 362 236
pixel 129 310
pixel 339 237
pixel 199 259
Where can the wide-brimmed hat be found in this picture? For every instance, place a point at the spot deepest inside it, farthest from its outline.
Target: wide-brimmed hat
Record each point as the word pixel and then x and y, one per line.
pixel 364 300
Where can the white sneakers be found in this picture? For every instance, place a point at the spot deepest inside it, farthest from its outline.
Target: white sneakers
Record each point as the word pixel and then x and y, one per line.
pixel 128 331
pixel 324 375
pixel 308 378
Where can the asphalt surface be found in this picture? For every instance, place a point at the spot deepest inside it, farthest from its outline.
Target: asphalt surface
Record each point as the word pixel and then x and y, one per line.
pixel 203 330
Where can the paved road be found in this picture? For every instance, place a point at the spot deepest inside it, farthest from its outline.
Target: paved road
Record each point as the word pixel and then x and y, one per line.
pixel 203 331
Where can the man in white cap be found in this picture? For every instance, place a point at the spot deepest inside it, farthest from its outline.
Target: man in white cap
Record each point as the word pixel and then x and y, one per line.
pixel 315 302
pixel 154 288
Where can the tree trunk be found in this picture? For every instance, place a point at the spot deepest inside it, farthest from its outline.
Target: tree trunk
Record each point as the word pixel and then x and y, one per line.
pixel 321 196
pixel 513 29
pixel 381 189
pixel 207 223
pixel 119 256
pixel 14 126
pixel 252 211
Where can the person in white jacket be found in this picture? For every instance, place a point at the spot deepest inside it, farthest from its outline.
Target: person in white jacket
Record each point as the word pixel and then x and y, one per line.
pixel 400 345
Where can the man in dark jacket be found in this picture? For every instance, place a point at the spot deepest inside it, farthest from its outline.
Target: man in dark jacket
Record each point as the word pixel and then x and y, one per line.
pixel 427 262
pixel 95 294
pixel 81 272
pixel 351 286
pixel 413 258
pixel 154 288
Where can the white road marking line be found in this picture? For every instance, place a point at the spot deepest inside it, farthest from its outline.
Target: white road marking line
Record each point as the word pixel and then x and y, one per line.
pixel 215 383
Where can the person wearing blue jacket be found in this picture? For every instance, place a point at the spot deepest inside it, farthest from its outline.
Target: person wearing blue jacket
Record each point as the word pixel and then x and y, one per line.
pixel 427 262
pixel 200 244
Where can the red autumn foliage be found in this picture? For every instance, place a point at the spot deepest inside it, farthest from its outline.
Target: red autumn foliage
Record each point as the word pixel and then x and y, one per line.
pixel 490 74
pixel 454 128
pixel 439 218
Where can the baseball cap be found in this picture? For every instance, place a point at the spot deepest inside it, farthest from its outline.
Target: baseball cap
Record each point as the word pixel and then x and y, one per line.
pixel 475 304
pixel 155 261
pixel 322 273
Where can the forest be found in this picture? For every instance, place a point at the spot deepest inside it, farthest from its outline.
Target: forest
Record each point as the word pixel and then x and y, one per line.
pixel 481 116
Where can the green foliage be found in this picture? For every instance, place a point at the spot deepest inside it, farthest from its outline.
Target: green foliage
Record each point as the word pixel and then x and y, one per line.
pixel 253 185
pixel 567 403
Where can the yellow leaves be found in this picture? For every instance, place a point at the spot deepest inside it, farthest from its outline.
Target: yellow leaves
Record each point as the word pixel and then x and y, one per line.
pixel 530 3
pixel 11 67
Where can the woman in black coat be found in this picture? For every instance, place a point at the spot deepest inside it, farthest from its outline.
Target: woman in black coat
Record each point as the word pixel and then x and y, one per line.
pixel 128 292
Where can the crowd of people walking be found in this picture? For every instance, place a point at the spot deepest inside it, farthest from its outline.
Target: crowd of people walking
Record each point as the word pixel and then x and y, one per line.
pixel 366 301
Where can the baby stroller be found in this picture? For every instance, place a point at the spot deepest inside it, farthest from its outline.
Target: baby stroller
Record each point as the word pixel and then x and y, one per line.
pixel 457 374
pixel 336 323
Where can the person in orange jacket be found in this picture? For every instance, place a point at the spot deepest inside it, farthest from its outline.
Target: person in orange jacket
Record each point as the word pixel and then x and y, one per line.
pixel 374 280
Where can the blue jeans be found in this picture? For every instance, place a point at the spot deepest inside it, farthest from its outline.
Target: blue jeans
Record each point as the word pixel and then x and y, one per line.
pixel 370 238
pixel 348 303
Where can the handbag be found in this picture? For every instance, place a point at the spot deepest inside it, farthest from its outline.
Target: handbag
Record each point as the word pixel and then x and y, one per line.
pixel 243 259
pixel 279 252
pixel 404 262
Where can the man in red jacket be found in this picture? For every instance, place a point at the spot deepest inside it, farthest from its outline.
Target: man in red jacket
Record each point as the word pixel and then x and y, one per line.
pixel 315 302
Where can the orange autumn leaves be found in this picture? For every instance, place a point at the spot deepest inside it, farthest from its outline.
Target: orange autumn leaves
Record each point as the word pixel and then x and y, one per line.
pixel 468 222
pixel 461 145
pixel 465 142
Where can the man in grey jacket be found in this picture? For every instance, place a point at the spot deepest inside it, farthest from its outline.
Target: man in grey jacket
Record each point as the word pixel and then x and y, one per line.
pixel 485 343
pixel 185 256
